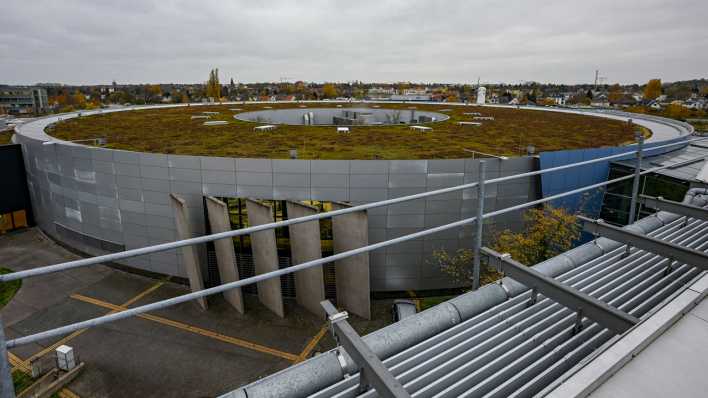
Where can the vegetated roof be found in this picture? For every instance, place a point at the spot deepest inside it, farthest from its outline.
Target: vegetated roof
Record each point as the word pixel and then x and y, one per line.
pixel 171 130
pixel 503 346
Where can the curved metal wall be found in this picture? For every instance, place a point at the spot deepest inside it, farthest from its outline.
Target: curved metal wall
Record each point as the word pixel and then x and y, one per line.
pixel 95 199
pixel 122 197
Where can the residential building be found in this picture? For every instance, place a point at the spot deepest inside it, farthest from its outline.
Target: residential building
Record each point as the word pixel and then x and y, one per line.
pixel 23 100
pixel 381 92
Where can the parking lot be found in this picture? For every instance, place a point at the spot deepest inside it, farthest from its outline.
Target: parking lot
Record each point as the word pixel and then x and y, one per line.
pixel 179 351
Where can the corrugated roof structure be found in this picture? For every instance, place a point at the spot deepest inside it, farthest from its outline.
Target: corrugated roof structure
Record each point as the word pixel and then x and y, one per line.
pixel 494 342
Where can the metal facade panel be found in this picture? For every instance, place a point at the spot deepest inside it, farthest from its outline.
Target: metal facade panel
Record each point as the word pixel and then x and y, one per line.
pixel 227 177
pixel 218 163
pixel 369 166
pixel 329 166
pixel 193 175
pixel 184 162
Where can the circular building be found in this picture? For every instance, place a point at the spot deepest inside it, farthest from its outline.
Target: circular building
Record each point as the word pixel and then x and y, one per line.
pixel 102 181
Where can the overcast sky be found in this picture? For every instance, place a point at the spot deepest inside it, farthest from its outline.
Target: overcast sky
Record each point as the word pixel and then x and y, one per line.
pixel 141 41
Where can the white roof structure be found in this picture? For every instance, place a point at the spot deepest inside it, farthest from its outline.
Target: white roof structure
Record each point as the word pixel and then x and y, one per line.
pixel 483 118
pixel 200 117
pixel 342 129
pixel 267 127
pixel 216 123
pixel 469 123
pixel 421 128
pixel 210 113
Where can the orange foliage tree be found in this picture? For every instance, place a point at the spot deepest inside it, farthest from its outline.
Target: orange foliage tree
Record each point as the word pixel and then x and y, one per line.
pixel 652 89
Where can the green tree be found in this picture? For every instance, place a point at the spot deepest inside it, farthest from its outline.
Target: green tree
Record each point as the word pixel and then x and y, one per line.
pixel 652 89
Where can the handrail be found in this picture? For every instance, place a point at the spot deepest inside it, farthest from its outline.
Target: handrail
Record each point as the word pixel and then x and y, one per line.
pixel 309 264
pixel 244 231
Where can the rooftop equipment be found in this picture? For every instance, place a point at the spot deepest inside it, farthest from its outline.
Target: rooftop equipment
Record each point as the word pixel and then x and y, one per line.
pixel 267 127
pixel 216 123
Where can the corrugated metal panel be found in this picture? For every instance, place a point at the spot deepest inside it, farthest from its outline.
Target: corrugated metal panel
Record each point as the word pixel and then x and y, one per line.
pixel 515 349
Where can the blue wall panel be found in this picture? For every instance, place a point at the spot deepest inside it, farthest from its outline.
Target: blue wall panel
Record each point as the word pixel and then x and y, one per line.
pixel 589 202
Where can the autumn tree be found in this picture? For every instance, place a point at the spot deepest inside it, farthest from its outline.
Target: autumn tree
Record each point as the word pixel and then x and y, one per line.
pixel 213 87
pixel 615 94
pixel 329 90
pixel 78 100
pixel 402 86
pixel 152 92
pixel 677 111
pixel 580 98
pixel 652 90
pixel 547 232
pixel 359 93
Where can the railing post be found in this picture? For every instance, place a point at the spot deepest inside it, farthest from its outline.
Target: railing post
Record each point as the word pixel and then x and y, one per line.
pixel 637 177
pixel 635 183
pixel 479 223
pixel 7 388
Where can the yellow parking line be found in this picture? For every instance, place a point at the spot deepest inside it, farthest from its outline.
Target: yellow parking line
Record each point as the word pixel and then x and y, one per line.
pixel 192 329
pixel 79 332
pixel 313 343
pixel 143 294
pixel 54 346
pixel 66 393
pixel 18 363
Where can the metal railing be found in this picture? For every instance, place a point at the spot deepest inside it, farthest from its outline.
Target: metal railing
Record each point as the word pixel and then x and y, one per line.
pixel 309 264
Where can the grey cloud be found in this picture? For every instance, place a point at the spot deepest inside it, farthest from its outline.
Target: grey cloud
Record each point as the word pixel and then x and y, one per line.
pixel 386 40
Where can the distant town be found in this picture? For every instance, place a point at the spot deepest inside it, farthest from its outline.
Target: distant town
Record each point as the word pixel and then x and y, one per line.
pixel 683 99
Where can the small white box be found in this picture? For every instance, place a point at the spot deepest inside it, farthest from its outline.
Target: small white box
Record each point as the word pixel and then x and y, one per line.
pixel 65 358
